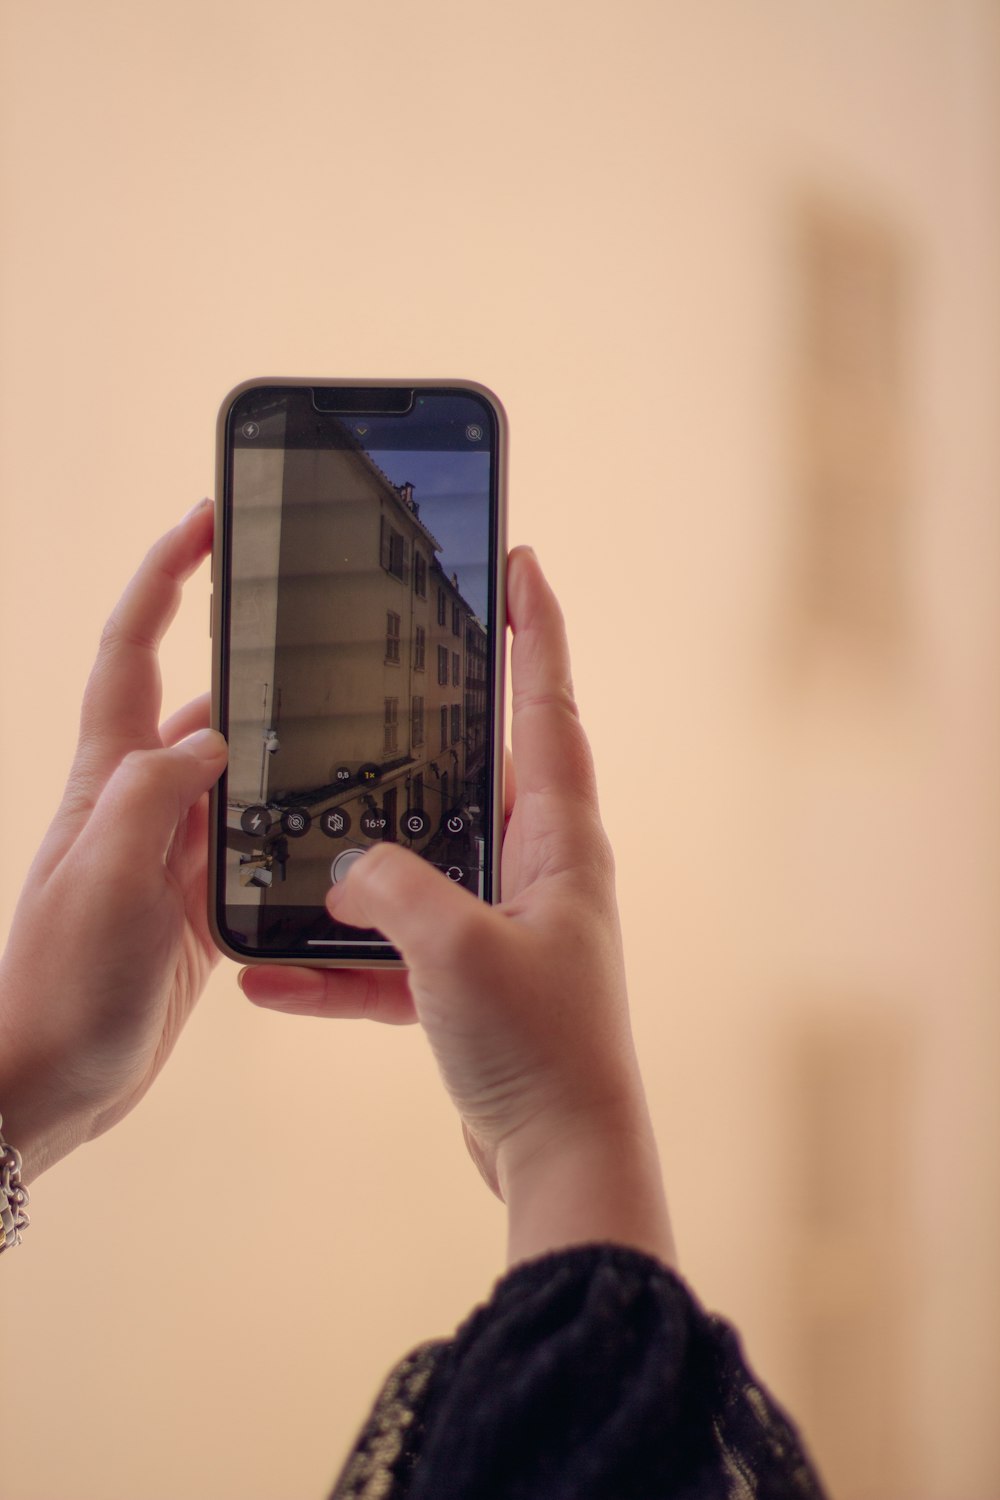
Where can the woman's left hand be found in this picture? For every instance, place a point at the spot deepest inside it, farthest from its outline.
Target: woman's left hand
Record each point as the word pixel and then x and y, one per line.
pixel 109 947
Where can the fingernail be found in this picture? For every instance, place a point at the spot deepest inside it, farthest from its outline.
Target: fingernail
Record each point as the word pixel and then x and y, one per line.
pixel 199 506
pixel 205 744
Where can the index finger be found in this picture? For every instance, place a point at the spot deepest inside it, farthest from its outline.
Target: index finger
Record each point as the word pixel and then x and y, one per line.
pixel 121 704
pixel 550 749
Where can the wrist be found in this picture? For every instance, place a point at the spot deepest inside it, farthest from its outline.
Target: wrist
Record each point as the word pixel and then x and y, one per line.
pixel 39 1116
pixel 590 1178
pixel 40 1135
pixel 46 1111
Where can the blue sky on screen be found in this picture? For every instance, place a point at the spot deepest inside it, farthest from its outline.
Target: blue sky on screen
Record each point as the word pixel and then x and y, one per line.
pixel 452 490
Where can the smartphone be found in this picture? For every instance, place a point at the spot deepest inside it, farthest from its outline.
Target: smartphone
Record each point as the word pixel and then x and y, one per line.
pixel 358 622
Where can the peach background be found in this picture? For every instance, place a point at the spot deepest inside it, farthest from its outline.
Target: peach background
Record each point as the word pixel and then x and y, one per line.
pixel 589 209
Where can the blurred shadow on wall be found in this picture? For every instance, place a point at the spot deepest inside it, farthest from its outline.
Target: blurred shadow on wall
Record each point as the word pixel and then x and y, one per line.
pixel 847 1106
pixel 846 663
pixel 849 602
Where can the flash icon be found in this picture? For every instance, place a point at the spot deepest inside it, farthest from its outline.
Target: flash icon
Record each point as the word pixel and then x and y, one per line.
pixel 255 820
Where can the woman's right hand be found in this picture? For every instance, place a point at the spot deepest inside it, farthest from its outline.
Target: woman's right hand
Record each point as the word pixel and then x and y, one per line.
pixel 109 947
pixel 524 1004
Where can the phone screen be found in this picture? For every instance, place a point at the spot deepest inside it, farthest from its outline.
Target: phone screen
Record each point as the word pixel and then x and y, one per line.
pixel 357 652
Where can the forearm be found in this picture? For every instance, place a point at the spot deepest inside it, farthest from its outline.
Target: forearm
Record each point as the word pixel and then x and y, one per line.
pixel 596 1182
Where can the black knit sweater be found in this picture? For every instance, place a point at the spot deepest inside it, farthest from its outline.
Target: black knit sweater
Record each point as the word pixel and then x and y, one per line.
pixel 591 1374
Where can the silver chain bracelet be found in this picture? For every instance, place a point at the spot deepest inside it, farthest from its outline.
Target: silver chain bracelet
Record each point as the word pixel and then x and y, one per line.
pixel 13 1196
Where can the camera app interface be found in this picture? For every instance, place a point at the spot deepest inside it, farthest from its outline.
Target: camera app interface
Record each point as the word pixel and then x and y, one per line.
pixel 360 663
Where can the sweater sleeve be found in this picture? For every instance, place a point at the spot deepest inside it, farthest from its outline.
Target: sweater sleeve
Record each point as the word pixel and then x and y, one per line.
pixel 591 1374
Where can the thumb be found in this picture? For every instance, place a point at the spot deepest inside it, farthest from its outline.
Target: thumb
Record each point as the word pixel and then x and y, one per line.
pixel 149 794
pixel 420 911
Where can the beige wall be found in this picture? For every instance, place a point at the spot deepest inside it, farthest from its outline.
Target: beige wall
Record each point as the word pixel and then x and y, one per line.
pixel 600 213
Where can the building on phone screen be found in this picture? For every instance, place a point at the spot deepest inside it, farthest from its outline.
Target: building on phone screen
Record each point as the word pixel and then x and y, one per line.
pixel 358 698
